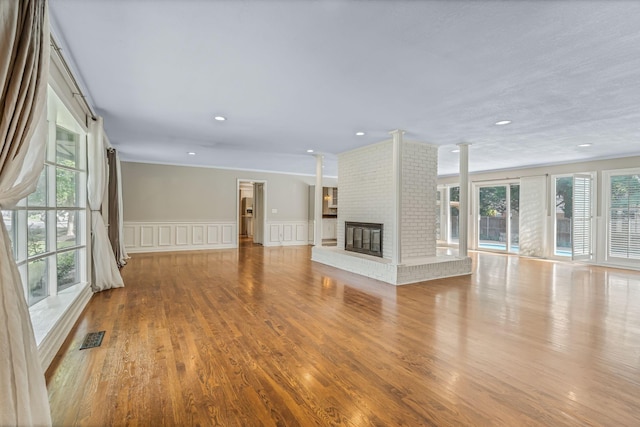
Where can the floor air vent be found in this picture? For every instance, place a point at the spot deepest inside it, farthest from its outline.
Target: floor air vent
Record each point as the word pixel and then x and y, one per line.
pixel 93 339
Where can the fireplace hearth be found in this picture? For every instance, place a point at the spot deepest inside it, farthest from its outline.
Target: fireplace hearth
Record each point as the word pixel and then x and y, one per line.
pixel 363 237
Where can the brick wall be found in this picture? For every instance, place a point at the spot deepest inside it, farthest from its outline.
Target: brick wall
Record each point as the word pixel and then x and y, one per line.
pixel 367 194
pixel 419 209
pixel 365 186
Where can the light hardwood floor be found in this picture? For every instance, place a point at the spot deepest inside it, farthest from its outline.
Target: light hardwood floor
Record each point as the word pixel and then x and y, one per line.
pixel 263 336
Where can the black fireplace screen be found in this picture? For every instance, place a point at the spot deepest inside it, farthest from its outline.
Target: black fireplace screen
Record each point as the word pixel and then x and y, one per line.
pixel 363 237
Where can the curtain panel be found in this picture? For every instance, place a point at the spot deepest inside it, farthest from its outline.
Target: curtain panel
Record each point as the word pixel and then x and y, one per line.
pixel 124 256
pixel 115 208
pixel 105 273
pixel 24 73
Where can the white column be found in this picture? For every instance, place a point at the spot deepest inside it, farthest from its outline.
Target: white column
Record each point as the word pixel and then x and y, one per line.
pixel 396 256
pixel 317 214
pixel 463 230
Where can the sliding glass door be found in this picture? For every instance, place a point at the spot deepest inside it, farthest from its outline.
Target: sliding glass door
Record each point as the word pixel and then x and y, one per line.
pixel 562 215
pixel 498 225
pixel 454 214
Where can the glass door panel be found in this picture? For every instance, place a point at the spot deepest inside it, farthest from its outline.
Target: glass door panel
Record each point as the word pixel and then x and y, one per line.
pixel 454 203
pixel 563 213
pixel 514 218
pixel 499 220
pixel 492 229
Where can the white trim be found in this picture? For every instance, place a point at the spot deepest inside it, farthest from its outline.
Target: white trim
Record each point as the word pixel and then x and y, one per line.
pixel 179 236
pixel 474 212
pixel 55 337
pixel 416 270
pixel 552 224
pixel 608 260
pixel 311 227
pixel 287 233
pixel 264 198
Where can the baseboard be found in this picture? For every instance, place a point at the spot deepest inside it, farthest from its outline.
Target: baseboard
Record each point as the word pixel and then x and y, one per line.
pixel 275 244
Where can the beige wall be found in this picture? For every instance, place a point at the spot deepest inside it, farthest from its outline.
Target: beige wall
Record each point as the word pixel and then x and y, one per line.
pixel 153 192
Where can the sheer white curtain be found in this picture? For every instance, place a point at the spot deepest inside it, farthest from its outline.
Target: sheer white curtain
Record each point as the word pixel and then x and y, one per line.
pixel 105 270
pixel 24 71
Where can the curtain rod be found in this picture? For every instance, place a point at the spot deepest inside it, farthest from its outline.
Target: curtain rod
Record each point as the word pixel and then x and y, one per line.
pixel 79 93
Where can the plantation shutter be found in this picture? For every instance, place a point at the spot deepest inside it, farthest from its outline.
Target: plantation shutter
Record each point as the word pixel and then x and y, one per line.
pixel 581 217
pixel 624 217
pixel 533 215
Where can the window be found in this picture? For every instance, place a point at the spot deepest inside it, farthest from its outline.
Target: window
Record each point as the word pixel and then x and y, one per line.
pixel 562 215
pixel 454 204
pixel 581 217
pixel 439 216
pixel 48 228
pixel 8 218
pixel 498 221
pixel 624 216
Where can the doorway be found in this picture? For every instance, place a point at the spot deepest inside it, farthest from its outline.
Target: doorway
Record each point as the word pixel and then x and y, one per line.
pixel 562 215
pixel 498 217
pixel 250 213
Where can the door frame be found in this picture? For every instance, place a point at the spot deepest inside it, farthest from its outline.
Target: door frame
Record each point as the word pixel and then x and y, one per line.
pixel 475 213
pixel 264 214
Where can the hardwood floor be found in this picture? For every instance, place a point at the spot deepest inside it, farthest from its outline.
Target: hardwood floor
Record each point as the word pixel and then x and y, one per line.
pixel 263 336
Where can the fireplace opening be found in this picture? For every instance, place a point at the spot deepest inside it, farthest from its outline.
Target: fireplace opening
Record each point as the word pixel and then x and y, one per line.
pixel 363 237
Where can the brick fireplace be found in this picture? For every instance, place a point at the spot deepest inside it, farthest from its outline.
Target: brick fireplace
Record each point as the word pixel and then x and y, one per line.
pixel 391 184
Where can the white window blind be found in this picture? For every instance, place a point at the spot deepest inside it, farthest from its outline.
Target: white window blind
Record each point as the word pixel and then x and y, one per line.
pixel 624 217
pixel 581 233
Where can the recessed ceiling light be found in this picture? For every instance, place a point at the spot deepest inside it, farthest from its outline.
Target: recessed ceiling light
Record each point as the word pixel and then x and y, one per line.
pixel 584 145
pixel 359 133
pixel 220 118
pixel 191 153
pixel 309 151
pixel 457 150
pixel 503 122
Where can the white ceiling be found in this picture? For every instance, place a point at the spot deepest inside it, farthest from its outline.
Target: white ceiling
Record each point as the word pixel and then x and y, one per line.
pixel 293 75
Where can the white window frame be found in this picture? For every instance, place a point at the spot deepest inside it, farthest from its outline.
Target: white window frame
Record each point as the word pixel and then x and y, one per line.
pixel 587 254
pixel 443 191
pixel 58 115
pixel 475 210
pixel 553 227
pixel 606 193
pixel 445 218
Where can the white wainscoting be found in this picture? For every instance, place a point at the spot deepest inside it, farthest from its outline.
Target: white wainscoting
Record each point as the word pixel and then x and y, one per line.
pixel 287 233
pixel 179 236
pixel 312 231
